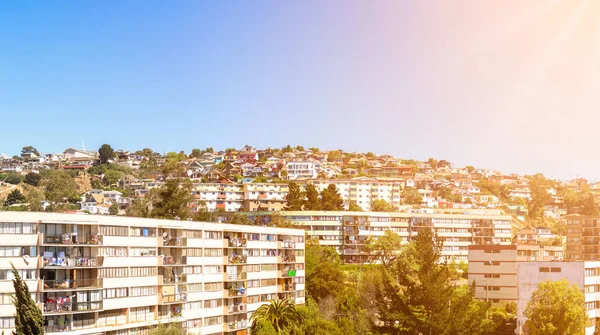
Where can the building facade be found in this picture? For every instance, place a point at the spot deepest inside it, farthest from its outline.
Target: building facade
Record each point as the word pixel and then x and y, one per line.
pixel 348 231
pixel 493 268
pixel 583 237
pixel 237 197
pixel 584 274
pixel 113 275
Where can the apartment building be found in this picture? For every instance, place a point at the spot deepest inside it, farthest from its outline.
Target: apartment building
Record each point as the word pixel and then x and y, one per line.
pixel 237 197
pixel 583 237
pixel 585 274
pixel 493 268
pixel 114 275
pixel 348 231
pixel 302 169
pixel 362 191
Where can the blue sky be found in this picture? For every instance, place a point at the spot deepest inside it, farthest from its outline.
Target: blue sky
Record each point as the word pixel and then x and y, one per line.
pixel 412 79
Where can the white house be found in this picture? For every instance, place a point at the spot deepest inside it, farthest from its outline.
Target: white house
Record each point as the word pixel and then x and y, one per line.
pixel 301 170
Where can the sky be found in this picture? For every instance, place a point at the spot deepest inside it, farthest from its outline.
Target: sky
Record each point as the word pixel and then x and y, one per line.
pixel 511 85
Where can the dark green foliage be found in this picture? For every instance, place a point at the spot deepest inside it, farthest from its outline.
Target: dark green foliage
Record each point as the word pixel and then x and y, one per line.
pixel 14 197
pixel 105 153
pixel 11 178
pixel 295 198
pixel 331 200
pixel 171 200
pixel 28 317
pixel 59 186
pixel 281 314
pixel 170 329
pixel 324 275
pixel 114 209
pixel 33 179
pixel 313 203
pixel 380 205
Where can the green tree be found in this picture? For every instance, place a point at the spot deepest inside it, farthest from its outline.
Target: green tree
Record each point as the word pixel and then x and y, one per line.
pixel 282 314
pixel 300 148
pixel 260 179
pixel 597 329
pixel 333 155
pixel 313 203
pixel 168 329
pixel 34 198
pixel 313 150
pixel 556 308
pixel 14 197
pixel 33 178
pixel 13 178
pixel 314 323
pixel 331 200
pixel 470 168
pixel 59 186
pixel 30 150
pixel 380 205
pixel 147 152
pixel 111 177
pixel 432 162
pixel 28 317
pixel 540 197
pixel 411 196
pixel 171 200
pixel 353 207
pixel 384 249
pixel 114 209
pixel 589 205
pixel 324 274
pixel 105 153
pixel 240 219
pixel 196 153
pixel 295 198
pixel 210 150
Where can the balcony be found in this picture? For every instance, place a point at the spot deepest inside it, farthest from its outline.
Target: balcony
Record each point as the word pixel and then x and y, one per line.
pixel 67 306
pixel 288 273
pixel 71 262
pixel 172 241
pixel 237 243
pixel 287 259
pixel 287 287
pixel 166 299
pixel 287 244
pixel 68 239
pixel 236 292
pixel 169 260
pixel 236 309
pixel 172 280
pixel 70 284
pixel 237 259
pixel 236 277
pixel 236 325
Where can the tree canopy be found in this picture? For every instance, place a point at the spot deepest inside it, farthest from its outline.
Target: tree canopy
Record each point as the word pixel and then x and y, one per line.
pixel 105 153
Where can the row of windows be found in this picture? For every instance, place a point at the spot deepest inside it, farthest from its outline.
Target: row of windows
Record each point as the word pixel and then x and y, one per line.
pixel 127 272
pixel 18 228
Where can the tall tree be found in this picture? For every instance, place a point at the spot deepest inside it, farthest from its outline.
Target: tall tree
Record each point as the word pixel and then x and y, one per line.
pixel 30 150
pixel 14 197
pixel 33 178
pixel 295 198
pixel 168 329
pixel 589 205
pixel 105 153
pixel 324 274
pixel 28 317
pixel 282 314
pixel 171 200
pixel 540 197
pixel 59 186
pixel 432 162
pixel 385 249
pixel 380 205
pixel 196 153
pixel 411 196
pixel 556 307
pixel 331 200
pixel 313 203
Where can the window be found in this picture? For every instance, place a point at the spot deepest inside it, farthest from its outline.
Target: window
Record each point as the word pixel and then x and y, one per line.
pixel 142 291
pixel 194 287
pixel 268 282
pixel 213 286
pixel 193 252
pixel 214 320
pixel 192 233
pixel 492 263
pixel 147 271
pixel 141 314
pixel 268 267
pixel 18 228
pixel 195 323
pixel 253 283
pixel 10 251
pixel 213 235
pixel 188 270
pixel 142 252
pixel 214 303
pixel 112 230
pixel 544 269
pixel 253 299
pixel 555 269
pixel 145 232
pixel 113 252
pixel 213 252
pixel 6 298
pixel 113 272
pixel 7 322
pixel 252 268
pixel 488 275
pixel 212 269
pixel 110 293
pixel 25 274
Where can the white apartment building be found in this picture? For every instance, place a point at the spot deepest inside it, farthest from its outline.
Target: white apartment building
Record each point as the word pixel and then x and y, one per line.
pixel 236 197
pixel 302 170
pixel 585 274
pixel 348 231
pixel 362 191
pixel 113 275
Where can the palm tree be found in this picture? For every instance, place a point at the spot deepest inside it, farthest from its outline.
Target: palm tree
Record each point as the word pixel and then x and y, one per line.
pixel 282 314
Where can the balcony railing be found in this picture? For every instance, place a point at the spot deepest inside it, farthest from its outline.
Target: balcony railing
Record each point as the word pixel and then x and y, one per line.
pixel 68 239
pixel 235 277
pixel 181 279
pixel 174 298
pixel 236 325
pixel 237 243
pixel 73 262
pixel 233 309
pixel 65 305
pixel 70 284
pixel 288 287
pixel 288 244
pixel 170 260
pixel 174 242
pixel 288 258
pixel 237 259
pixel 236 292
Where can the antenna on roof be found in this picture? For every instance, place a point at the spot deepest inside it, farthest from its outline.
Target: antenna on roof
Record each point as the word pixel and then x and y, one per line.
pixel 82 146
